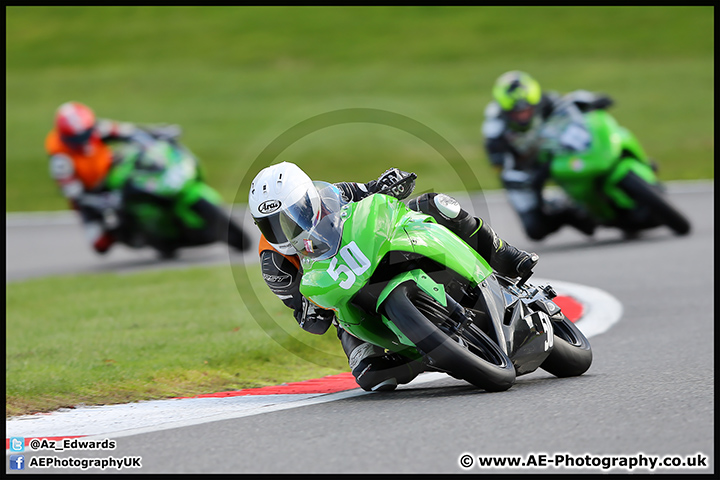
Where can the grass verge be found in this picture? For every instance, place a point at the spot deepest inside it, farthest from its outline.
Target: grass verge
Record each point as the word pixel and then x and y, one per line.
pixel 237 77
pixel 110 338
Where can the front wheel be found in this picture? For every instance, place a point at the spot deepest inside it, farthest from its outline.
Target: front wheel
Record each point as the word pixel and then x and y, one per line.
pixel 571 354
pixel 472 356
pixel 643 193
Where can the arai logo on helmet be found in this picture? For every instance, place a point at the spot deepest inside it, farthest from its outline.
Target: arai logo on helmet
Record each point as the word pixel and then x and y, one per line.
pixel 269 206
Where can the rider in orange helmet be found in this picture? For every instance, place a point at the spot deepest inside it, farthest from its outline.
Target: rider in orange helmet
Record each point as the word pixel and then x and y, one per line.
pixel 80 159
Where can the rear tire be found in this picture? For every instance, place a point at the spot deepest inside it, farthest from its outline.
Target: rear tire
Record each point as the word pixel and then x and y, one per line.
pixel 221 227
pixel 644 194
pixel 571 354
pixel 481 362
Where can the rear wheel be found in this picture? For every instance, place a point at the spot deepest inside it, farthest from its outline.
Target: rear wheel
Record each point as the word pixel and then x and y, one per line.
pixel 219 227
pixel 644 194
pixel 471 355
pixel 571 354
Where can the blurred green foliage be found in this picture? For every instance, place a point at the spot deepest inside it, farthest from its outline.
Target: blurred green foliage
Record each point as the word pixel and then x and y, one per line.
pixel 235 78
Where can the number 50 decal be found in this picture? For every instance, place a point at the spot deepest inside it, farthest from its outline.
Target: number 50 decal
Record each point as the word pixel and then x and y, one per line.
pixel 357 264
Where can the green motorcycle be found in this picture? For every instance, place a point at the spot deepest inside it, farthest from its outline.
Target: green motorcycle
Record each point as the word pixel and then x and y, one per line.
pixel 399 280
pixel 159 199
pixel 603 168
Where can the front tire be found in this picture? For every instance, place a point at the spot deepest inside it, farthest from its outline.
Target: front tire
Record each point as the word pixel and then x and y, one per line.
pixel 478 360
pixel 571 354
pixel 643 193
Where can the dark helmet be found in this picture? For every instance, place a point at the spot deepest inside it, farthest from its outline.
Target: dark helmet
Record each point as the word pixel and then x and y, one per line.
pixel 75 123
pixel 518 95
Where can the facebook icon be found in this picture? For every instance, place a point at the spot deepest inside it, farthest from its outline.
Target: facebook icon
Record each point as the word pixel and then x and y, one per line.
pixel 17 462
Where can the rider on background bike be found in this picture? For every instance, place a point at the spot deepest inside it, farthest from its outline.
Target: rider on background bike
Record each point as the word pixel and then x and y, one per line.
pixel 512 140
pixel 80 159
pixel 279 187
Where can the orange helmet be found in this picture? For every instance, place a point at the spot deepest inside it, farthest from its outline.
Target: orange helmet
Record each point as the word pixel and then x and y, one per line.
pixel 75 123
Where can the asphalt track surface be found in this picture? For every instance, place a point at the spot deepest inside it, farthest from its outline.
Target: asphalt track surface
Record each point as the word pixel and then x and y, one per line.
pixel 649 392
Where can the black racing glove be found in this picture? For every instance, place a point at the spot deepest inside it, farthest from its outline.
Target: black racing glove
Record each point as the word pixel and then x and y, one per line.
pixel 603 102
pixel 396 183
pixel 599 103
pixel 314 319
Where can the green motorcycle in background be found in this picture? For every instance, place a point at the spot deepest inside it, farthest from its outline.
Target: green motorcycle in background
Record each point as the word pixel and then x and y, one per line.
pixel 399 280
pixel 157 197
pixel 602 167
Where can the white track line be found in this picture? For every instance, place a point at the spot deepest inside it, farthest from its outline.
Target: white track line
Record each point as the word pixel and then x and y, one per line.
pixel 115 421
pixel 600 309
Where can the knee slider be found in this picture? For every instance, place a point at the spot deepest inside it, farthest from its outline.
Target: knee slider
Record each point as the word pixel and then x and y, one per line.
pixel 447 206
pixel 435 204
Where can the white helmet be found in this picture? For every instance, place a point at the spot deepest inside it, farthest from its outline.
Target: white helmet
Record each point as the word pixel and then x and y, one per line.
pixel 287 206
pixel 273 187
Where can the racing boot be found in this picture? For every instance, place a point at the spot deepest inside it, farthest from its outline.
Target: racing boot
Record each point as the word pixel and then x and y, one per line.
pixel 502 257
pixel 373 368
pixel 560 212
pixel 582 221
pixel 103 243
pixel 100 239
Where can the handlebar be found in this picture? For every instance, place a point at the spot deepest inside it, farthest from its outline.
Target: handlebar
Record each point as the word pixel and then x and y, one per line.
pixel 524 278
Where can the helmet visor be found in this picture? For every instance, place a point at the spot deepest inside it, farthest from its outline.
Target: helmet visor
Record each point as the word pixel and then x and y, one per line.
pixel 76 141
pixel 523 115
pixel 313 224
pixel 270 228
